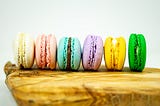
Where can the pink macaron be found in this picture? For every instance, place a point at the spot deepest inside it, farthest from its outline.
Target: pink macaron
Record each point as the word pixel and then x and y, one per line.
pixel 46 51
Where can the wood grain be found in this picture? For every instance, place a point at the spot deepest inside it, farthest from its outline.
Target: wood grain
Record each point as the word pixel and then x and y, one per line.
pixel 35 87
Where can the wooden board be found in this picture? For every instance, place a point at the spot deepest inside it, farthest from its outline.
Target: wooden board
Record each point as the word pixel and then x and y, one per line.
pixel 45 87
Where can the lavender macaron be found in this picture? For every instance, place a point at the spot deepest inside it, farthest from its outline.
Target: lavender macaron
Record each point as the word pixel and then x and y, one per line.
pixel 92 52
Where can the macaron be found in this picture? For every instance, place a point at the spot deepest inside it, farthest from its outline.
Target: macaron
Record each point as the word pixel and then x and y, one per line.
pixel 137 52
pixel 24 50
pixel 114 53
pixel 46 46
pixel 92 52
pixel 69 53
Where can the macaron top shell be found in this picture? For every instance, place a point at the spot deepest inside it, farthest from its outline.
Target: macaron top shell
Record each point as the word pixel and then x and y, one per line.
pixel 92 52
pixel 51 51
pixel 40 51
pixel 120 53
pixel 142 45
pixel 62 53
pixel 24 50
pixel 75 54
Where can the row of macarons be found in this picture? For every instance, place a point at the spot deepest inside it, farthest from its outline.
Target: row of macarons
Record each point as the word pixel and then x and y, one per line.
pixel 68 53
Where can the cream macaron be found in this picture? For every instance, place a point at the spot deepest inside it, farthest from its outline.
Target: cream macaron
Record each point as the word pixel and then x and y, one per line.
pixel 24 50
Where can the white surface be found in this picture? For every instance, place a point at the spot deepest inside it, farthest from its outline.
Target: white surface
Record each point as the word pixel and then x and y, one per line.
pixel 77 18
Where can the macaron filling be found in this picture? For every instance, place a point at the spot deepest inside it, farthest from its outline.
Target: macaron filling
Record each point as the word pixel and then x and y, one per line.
pixel 69 54
pixel 136 52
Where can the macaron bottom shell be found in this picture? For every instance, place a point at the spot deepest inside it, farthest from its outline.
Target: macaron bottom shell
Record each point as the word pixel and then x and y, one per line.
pixel 76 53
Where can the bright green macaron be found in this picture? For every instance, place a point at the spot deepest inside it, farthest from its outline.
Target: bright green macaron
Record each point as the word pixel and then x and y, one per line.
pixel 69 53
pixel 137 52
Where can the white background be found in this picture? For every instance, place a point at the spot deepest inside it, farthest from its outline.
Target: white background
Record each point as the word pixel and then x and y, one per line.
pixel 77 18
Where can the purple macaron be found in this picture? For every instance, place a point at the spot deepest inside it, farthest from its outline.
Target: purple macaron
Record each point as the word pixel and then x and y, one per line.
pixel 92 52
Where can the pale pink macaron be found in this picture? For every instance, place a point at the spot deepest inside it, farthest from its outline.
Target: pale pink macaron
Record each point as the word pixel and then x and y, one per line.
pixel 46 51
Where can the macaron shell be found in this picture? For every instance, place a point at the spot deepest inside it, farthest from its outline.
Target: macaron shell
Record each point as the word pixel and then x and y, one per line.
pixel 62 53
pixel 40 51
pixel 131 47
pixel 141 52
pixel 99 53
pixel 86 52
pixel 52 50
pixel 17 47
pixel 120 53
pixel 75 54
pixel 29 51
pixel 48 53
pixel 108 53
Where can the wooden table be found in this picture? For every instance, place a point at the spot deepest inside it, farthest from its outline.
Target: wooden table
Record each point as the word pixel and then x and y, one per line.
pixel 52 87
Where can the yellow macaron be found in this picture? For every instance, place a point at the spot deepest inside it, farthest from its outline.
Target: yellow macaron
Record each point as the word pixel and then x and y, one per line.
pixel 114 53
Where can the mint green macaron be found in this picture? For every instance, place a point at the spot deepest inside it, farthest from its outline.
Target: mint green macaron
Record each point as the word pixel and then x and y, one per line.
pixel 69 53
